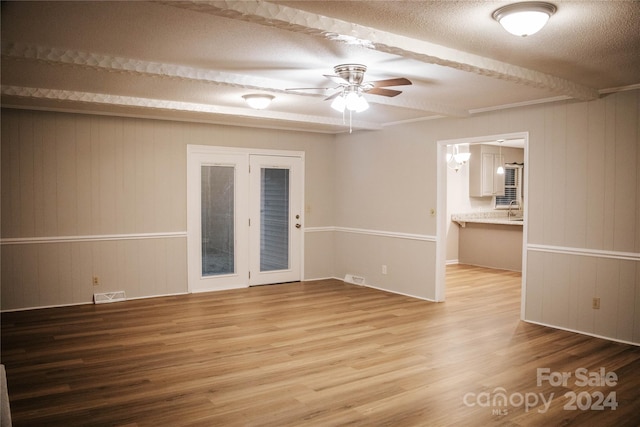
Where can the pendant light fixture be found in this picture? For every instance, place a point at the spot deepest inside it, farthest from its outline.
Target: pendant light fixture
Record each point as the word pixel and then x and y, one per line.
pixel 500 170
pixel 525 18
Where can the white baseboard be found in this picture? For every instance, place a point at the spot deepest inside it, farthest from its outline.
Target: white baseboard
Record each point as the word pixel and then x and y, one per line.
pixel 582 332
pixel 374 287
pixel 11 310
pixel 88 302
pixel 399 293
pixel 316 279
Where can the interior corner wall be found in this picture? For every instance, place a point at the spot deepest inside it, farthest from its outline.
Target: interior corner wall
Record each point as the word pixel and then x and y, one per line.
pixel 583 208
pixel 85 195
pixel 385 209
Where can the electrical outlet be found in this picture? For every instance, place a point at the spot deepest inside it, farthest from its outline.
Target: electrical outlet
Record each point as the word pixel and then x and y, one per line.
pixel 384 269
pixel 96 280
pixel 596 303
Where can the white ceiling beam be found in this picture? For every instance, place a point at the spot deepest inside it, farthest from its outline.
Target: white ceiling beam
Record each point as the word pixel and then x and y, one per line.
pixel 161 104
pixel 299 21
pixel 110 63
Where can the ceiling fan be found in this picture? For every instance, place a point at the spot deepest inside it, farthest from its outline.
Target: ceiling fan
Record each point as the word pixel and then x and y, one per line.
pixel 351 86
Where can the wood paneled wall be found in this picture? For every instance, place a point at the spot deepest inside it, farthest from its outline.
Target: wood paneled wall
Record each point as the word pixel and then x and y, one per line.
pixel 584 161
pixel 584 228
pixel 90 196
pixel 86 196
pixel 583 210
pixel 368 194
pixel 53 274
pixel 71 175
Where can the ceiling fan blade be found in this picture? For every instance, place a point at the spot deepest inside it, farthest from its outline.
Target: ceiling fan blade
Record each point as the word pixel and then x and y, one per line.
pixel 383 91
pixel 308 88
pixel 333 96
pixel 336 79
pixel 398 81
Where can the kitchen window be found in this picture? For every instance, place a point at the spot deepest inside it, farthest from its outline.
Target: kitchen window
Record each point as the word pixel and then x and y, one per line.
pixel 512 187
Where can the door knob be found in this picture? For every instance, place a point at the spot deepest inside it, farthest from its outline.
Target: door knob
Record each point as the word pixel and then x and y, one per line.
pixel 298 225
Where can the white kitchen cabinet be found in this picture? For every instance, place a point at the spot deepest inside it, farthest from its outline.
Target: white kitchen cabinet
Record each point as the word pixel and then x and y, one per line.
pixel 484 181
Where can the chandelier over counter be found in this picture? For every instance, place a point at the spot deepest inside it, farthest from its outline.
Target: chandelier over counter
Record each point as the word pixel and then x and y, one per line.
pixel 456 159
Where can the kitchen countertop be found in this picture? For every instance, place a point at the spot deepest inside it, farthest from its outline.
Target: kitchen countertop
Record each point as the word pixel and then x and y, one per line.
pixel 488 217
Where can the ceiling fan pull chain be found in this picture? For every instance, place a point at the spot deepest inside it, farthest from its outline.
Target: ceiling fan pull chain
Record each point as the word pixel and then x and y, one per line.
pixel 350 128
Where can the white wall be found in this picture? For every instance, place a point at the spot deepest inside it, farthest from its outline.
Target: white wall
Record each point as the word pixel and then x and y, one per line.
pixel 383 209
pixel 369 198
pixel 87 196
pixel 584 206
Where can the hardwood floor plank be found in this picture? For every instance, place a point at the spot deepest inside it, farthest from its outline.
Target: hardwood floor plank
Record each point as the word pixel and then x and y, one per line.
pixel 317 353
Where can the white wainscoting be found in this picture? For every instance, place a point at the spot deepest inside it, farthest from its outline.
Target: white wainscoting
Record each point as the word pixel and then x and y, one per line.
pixel 40 272
pixel 408 259
pixel 563 281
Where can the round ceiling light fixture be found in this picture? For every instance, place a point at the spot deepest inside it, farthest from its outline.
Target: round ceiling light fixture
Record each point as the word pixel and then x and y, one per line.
pixel 526 18
pixel 258 101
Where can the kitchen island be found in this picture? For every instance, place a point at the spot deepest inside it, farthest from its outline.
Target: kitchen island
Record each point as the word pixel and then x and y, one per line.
pixel 490 239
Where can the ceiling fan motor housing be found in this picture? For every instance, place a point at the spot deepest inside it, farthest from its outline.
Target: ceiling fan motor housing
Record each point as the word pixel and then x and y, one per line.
pixel 352 73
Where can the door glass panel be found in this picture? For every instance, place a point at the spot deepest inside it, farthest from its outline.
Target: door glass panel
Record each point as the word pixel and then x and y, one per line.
pixel 274 218
pixel 217 199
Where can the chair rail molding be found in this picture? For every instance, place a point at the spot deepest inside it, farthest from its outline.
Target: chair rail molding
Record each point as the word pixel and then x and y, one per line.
pixel 629 256
pixel 92 238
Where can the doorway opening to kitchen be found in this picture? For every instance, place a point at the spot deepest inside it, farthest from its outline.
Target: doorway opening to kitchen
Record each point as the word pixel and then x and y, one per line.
pixel 481 210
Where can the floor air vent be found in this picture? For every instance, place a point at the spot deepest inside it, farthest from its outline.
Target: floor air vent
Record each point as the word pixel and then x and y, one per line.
pixel 109 297
pixel 356 280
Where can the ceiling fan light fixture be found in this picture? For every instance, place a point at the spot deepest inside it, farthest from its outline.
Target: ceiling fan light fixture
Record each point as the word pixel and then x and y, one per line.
pixel 525 18
pixel 258 101
pixel 361 105
pixel 339 104
pixel 352 101
pixel 356 102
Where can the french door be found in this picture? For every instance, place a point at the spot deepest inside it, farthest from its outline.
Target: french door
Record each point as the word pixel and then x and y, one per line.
pixel 244 218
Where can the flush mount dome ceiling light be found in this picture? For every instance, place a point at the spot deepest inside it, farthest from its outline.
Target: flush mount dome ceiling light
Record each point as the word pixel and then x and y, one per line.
pixel 258 101
pixel 524 19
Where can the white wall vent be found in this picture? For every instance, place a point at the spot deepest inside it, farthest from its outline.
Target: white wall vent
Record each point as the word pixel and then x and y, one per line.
pixel 356 280
pixel 109 297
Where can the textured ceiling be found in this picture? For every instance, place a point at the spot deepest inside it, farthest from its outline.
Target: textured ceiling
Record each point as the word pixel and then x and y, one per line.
pixel 194 60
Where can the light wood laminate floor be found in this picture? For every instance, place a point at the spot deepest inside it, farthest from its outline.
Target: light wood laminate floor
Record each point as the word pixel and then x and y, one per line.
pixel 318 353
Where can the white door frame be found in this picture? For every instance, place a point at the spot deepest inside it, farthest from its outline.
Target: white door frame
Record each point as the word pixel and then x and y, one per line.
pixel 193 215
pixel 441 210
